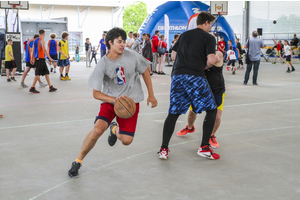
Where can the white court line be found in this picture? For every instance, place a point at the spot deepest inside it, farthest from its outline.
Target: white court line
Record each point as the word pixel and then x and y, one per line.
pixel 64 122
pixel 150 151
pixel 156 113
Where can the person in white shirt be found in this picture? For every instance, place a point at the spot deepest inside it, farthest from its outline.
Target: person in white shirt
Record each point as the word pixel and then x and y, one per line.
pixel 288 54
pixel 231 60
pixel 130 40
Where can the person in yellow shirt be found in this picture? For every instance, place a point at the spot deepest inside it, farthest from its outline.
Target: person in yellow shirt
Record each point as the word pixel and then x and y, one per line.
pixel 10 61
pixel 63 57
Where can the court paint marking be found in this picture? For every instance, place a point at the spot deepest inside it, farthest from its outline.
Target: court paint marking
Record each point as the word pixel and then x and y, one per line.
pixel 145 114
pixel 150 151
pixel 73 121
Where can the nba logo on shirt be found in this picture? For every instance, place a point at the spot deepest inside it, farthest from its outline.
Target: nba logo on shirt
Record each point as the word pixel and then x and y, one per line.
pixel 120 76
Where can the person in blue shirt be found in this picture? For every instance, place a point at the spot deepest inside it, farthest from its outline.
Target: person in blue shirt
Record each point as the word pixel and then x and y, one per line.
pixel 102 46
pixel 52 50
pixel 29 66
pixel 94 53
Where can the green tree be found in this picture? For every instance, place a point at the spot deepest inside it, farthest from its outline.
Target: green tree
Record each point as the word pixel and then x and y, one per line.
pixel 134 15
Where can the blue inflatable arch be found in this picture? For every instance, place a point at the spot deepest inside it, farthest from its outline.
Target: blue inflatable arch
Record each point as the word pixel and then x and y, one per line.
pixel 179 13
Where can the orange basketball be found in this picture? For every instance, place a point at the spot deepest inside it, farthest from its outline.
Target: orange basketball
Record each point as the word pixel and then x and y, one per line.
pixel 124 107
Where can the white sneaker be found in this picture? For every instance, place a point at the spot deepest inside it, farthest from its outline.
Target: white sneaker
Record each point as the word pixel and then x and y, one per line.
pixel 43 84
pixel 163 153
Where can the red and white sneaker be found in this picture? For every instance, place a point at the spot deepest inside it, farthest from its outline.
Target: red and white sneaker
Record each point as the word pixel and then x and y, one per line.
pixel 213 142
pixel 163 153
pixel 205 151
pixel 185 131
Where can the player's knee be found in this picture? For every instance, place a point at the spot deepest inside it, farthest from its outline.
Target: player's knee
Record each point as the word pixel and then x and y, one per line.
pixel 127 140
pixel 98 131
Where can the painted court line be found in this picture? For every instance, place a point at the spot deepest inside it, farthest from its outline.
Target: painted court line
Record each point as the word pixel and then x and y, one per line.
pixel 144 114
pixel 65 122
pixel 151 151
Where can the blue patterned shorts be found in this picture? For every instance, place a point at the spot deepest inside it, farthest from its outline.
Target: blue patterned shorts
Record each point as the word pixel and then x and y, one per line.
pixel 63 63
pixel 191 90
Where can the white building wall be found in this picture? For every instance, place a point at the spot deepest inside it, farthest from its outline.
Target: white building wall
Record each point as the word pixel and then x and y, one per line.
pixel 98 19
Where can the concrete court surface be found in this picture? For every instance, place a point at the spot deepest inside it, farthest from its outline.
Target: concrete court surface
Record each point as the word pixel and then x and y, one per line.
pixel 41 134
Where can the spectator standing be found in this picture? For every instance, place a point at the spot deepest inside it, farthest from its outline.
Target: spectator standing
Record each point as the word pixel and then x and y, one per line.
pixel 161 57
pixel 9 61
pixel 130 40
pixel 231 60
pixel 294 42
pixel 77 58
pixel 143 42
pixel 254 45
pixel 102 46
pixel 147 50
pixel 240 58
pixel 88 50
pixel 221 46
pixel 136 44
pixel 155 41
pixel 94 53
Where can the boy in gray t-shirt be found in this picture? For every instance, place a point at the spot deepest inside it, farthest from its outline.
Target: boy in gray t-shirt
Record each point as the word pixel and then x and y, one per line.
pixel 116 75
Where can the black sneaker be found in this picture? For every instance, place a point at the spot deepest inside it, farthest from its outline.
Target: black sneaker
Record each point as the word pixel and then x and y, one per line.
pixel 233 72
pixel 255 84
pixel 8 80
pixel 33 90
pixel 13 79
pixel 288 71
pixel 112 138
pixel 51 70
pixel 73 172
pixel 52 89
pixel 293 69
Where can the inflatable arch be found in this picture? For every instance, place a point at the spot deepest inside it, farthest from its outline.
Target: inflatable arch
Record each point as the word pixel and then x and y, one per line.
pixel 180 13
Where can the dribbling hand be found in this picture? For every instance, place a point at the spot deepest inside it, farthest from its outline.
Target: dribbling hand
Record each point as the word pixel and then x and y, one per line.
pixel 153 101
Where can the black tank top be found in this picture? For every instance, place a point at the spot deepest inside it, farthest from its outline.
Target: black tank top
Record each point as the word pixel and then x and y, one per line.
pixel 215 78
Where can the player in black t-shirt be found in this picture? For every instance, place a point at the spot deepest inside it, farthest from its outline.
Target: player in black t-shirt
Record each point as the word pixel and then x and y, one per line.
pixel 215 78
pixel 194 52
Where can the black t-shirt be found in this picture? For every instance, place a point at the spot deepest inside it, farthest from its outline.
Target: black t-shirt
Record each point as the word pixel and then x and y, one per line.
pixel 215 78
pixel 192 49
pixel 295 41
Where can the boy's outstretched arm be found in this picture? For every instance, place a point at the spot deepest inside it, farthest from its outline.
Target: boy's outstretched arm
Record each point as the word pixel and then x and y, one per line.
pixel 148 82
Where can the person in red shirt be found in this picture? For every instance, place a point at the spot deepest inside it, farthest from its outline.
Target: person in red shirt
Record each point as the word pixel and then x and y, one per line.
pixel 161 57
pixel 278 53
pixel 221 45
pixel 155 41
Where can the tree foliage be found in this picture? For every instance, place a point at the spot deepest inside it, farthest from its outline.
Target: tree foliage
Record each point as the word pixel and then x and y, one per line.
pixel 134 15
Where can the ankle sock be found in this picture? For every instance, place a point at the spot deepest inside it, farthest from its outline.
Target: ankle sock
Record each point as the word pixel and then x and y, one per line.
pixel 77 160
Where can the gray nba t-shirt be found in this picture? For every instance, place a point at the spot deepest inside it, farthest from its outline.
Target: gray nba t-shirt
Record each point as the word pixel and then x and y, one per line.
pixel 120 77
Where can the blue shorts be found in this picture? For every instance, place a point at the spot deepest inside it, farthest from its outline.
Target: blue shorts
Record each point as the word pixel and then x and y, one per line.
pixel 191 90
pixel 54 57
pixel 63 63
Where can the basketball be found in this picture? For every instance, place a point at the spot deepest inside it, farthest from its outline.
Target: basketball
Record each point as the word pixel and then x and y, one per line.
pixel 274 22
pixel 125 107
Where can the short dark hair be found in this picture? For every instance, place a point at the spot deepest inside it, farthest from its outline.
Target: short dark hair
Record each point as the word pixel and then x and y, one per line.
pixel 35 36
pixel 221 36
pixel 148 35
pixel 157 31
pixel 144 34
pixel 230 47
pixel 135 34
pixel 113 34
pixel 64 34
pixel 203 17
pixel 254 33
pixel 41 31
pixel 9 40
pixel 87 39
pixel 129 33
pixel 176 36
